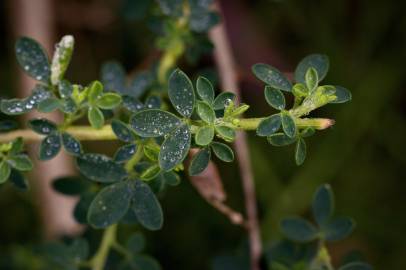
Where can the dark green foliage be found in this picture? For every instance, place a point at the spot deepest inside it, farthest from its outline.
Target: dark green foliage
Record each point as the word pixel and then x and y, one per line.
pixel 272 77
pixel 175 148
pixel 50 146
pixel 200 161
pixel 317 61
pixel 222 151
pixel 298 229
pixel 154 123
pixel 269 125
pixel 181 93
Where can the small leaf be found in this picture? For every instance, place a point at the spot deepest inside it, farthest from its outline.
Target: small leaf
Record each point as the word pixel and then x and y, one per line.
pixel 50 146
pixel 269 125
pixel 171 178
pixel 205 90
pixel 141 82
pixel 226 133
pixel 323 204
pixel 319 62
pixel 288 125
pixel 343 95
pixel 275 98
pixel 154 123
pixel 280 139
pixel 136 243
pixel 300 151
pixel 71 145
pixel 151 172
pixel 113 77
pixel 153 102
pixel 338 229
pixel 61 59
pixel 8 125
pixel 222 151
pixel 222 100
pixel 108 101
pixel 95 91
pixel 298 229
pixel 33 59
pixel 17 146
pixel 122 131
pixel 175 148
pixel 20 162
pixel 110 205
pixel 204 135
pixel 181 93
pixel 272 77
pixel 18 180
pixel 95 117
pixel 146 206
pixel 5 171
pixel 356 266
pixel 65 89
pixel 312 79
pixel 42 126
pixel 205 112
pixel 124 153
pixel 49 105
pixel 100 168
pixel 70 185
pixel 200 161
pixel 132 104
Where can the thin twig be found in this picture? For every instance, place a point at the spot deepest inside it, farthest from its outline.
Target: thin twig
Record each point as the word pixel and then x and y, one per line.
pixel 228 76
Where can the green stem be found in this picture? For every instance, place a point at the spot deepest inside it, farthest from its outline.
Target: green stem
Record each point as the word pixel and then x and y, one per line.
pixel 108 241
pixel 135 158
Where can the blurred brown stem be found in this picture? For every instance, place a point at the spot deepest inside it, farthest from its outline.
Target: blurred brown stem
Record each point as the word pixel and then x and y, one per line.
pixel 228 76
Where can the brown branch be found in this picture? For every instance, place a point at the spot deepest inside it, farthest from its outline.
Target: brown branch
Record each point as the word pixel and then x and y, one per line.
pixel 228 76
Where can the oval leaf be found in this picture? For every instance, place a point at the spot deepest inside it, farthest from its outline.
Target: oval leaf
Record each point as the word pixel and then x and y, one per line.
pixel 222 100
pixel 288 125
pixel 204 135
pixel 275 98
pixel 298 229
pixel 272 77
pixel 269 125
pixel 319 62
pixel 205 112
pixel 110 205
pixel 175 148
pixel 100 168
pixel 199 162
pixel 323 204
pixel 342 95
pixel 181 93
pixel 146 206
pixel 205 89
pixel 50 146
pixel 338 229
pixel 71 145
pixel 222 151
pixel 154 123
pixel 300 151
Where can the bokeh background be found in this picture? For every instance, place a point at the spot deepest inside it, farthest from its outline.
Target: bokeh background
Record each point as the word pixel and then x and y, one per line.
pixel 363 156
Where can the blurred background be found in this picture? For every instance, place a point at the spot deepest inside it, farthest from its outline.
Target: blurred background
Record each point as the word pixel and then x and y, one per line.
pixel 362 156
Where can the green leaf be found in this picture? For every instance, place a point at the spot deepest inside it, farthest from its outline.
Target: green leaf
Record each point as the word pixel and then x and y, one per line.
pixel 140 84
pixel 71 145
pixel 19 106
pixel 298 229
pixel 288 125
pixel 95 91
pixel 100 168
pixel 275 98
pixel 95 117
pixel 200 161
pixel 8 125
pixel 222 151
pixel 222 100
pixel 181 93
pixel 124 153
pixel 356 266
pixel 154 123
pixel 122 131
pixel 204 135
pixel 300 90
pixel 136 242
pixel 269 125
pixel 205 89
pixel 110 205
pixel 307 132
pixel 65 89
pixel 132 104
pixel 20 162
pixel 175 148
pixel 280 139
pixel 153 102
pixel 205 112
pixel 33 59
pixel 70 185
pixel 50 146
pixel 61 59
pixel 272 77
pixel 113 76
pixel 108 101
pixel 5 171
pixel 18 180
pixel 338 229
pixel 323 204
pixel 300 151
pixel 319 62
pixel 343 95
pixel 49 105
pixel 17 146
pixel 151 172
pixel 42 126
pixel 226 133
pixel 151 152
pixel 146 206
pixel 311 79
